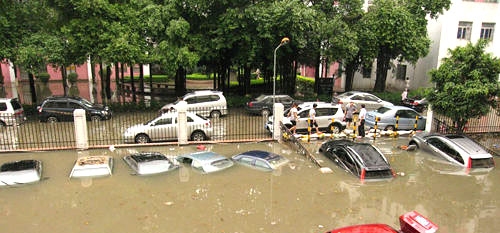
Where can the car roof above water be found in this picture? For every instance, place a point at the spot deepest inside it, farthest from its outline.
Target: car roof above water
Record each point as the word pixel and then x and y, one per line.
pixel 467 144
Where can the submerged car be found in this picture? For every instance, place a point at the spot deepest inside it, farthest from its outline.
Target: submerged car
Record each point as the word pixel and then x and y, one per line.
pixel 456 149
pixel 411 222
pixel 148 163
pixel 388 118
pixel 164 128
pixel 20 172
pixel 206 161
pixel 262 160
pixel 360 159
pixel 92 166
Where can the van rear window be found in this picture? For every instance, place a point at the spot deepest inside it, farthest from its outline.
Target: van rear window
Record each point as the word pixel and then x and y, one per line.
pixel 380 174
pixel 15 104
pixel 483 163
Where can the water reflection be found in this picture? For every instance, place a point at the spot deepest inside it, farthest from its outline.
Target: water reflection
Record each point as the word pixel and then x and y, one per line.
pixel 297 198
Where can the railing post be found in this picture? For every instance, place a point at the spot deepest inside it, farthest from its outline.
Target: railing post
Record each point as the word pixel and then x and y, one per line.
pixel 81 134
pixel 182 136
pixel 278 111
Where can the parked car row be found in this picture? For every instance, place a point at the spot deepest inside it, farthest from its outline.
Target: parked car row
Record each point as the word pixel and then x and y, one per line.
pixel 143 163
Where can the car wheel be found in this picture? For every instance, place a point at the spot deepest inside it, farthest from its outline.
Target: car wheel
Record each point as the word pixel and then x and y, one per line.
pixel 95 118
pixel 334 128
pixel 52 119
pixel 142 138
pixel 265 112
pixel 390 128
pixel 215 114
pixel 198 136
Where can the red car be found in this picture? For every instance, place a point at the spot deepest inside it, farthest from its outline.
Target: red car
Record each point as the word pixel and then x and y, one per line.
pixel 411 222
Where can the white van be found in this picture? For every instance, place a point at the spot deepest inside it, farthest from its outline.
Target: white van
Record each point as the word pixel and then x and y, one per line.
pixel 11 112
pixel 205 103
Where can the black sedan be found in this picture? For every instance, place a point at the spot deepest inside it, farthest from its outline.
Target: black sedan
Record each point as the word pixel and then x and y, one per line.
pixel 263 104
pixel 360 159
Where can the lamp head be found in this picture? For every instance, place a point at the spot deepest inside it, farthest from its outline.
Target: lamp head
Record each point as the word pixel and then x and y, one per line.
pixel 285 40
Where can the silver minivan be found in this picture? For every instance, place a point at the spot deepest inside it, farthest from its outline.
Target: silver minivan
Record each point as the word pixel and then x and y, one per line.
pixel 11 112
pixel 206 103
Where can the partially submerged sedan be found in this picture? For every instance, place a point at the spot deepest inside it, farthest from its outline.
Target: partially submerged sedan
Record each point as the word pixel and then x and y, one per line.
pixel 261 160
pixel 360 159
pixel 149 163
pixel 20 172
pixel 456 149
pixel 206 161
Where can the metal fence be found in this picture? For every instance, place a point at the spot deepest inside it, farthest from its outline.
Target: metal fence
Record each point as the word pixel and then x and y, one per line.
pixel 35 135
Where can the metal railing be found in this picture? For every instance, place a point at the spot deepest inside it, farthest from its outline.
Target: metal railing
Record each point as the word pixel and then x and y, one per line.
pixel 32 135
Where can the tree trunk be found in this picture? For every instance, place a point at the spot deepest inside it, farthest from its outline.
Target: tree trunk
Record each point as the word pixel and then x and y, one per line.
pixel 382 67
pixel 108 82
pixel 317 74
pixel 64 80
pixel 32 88
pixel 350 70
pixel 141 79
pixel 180 81
pixel 132 83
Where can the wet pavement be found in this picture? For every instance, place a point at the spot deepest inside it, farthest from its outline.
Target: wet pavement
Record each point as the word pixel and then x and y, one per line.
pixel 297 198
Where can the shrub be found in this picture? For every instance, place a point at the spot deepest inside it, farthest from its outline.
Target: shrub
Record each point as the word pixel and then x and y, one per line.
pixel 72 78
pixel 43 77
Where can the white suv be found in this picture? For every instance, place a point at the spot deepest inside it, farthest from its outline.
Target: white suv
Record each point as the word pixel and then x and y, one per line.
pixel 206 103
pixel 11 112
pixel 325 112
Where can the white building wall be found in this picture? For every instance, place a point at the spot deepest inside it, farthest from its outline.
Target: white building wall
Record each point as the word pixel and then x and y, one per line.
pixel 443 35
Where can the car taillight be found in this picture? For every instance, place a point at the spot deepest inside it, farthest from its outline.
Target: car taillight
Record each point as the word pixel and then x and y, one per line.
pixel 363 173
pixel 39 109
pixel 250 104
pixel 19 113
pixel 208 124
pixel 340 102
pixel 470 163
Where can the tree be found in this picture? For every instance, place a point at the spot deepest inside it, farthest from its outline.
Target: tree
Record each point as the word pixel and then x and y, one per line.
pixel 400 32
pixel 465 84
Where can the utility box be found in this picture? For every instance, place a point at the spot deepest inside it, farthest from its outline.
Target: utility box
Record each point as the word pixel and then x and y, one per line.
pixel 414 222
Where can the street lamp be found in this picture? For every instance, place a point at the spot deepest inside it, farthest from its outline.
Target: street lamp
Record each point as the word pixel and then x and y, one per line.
pixel 284 41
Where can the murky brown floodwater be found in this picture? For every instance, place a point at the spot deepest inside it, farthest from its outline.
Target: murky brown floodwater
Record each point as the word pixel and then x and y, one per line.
pixel 296 199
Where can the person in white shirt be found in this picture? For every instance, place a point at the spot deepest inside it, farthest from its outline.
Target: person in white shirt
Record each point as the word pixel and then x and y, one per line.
pixel 404 95
pixel 293 117
pixel 362 115
pixel 312 117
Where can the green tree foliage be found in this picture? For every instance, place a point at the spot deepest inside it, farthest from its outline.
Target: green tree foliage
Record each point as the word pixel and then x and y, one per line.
pixel 465 84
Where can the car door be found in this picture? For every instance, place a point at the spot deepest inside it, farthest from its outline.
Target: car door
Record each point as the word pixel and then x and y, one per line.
pixel 406 119
pixel 302 122
pixel 163 128
pixel 72 106
pixel 324 116
pixel 442 149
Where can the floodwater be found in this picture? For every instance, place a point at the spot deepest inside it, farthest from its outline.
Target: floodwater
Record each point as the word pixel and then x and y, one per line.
pixel 297 198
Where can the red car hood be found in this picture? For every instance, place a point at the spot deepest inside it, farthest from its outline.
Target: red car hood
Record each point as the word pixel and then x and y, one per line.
pixel 366 228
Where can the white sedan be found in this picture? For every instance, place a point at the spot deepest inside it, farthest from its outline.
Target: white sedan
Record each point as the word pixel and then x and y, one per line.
pixel 370 101
pixel 164 128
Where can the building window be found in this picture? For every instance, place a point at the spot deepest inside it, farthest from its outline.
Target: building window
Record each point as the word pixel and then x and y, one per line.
pixel 366 71
pixel 487 30
pixel 464 29
pixel 401 72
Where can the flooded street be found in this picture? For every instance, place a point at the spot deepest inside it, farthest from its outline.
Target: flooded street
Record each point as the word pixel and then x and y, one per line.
pixel 297 198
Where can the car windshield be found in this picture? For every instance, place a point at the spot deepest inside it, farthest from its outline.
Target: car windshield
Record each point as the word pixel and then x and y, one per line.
pixel 260 98
pixel 371 157
pixel 221 163
pixel 483 163
pixel 19 166
pixel 382 110
pixel 86 103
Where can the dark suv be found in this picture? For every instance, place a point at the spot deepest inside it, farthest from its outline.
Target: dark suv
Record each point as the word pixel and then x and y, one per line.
pixel 61 108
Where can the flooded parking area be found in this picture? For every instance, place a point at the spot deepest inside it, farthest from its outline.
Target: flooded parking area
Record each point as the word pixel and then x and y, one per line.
pixel 297 198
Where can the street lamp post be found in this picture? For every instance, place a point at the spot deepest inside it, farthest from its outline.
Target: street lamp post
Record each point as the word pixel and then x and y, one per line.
pixel 284 41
